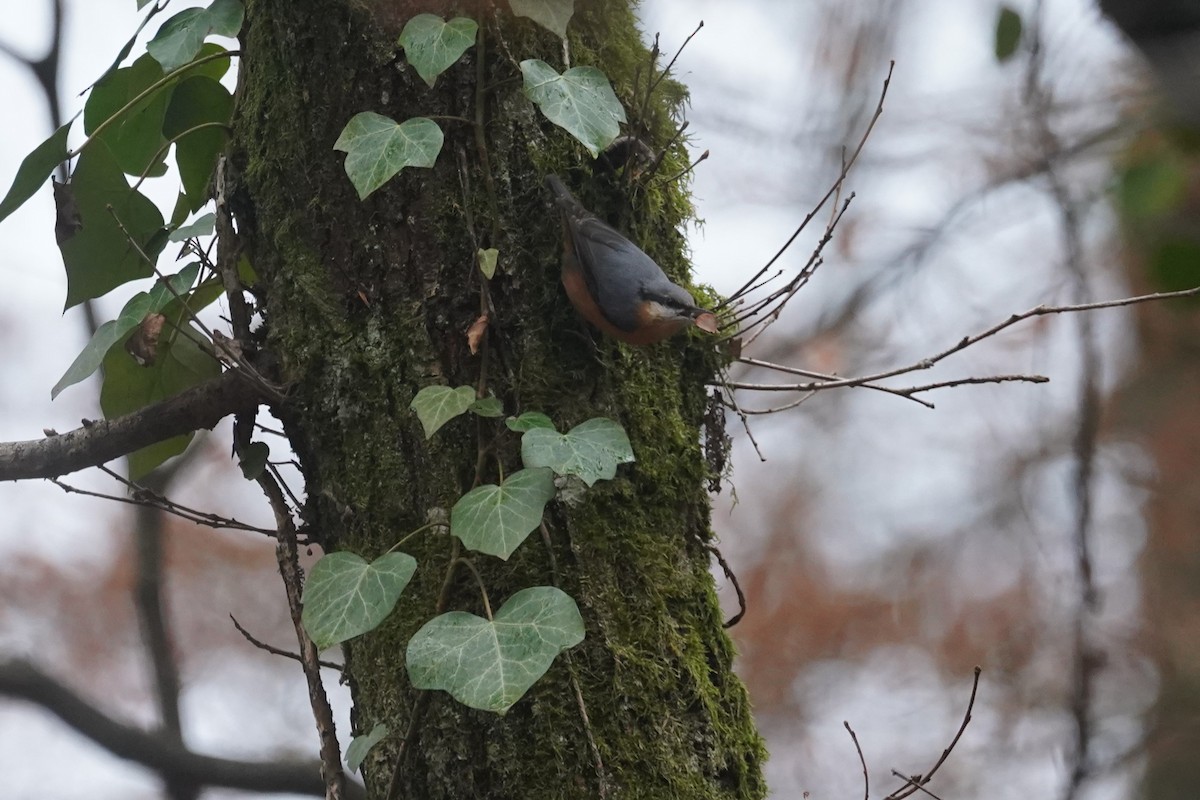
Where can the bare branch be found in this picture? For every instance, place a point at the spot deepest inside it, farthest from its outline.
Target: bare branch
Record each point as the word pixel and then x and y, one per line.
pixel 275 651
pixel 963 344
pixel 168 758
pixel 919 781
pixel 861 760
pixel 201 406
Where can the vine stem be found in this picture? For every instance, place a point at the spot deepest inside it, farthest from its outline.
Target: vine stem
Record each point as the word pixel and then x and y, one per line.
pixel 487 606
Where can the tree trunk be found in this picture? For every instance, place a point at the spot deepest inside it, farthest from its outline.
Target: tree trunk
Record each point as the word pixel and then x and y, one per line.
pixel 366 302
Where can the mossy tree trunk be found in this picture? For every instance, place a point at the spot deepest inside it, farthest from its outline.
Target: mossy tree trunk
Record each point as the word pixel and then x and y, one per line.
pixel 366 302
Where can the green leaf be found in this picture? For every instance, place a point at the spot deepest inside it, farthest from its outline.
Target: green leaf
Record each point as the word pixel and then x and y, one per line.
pixel 487 261
pixel 345 596
pixel 361 745
pixel 580 100
pixel 490 665
pixel 437 405
pixel 180 38
pixel 432 45
pixel 99 257
pixel 1008 33
pixel 201 226
pixel 35 169
pixel 553 15
pixel 528 421
pixel 254 460
pixel 108 334
pixel 181 364
pixel 591 450
pixel 487 407
pixel 197 101
pixel 136 138
pixel 377 148
pixel 496 519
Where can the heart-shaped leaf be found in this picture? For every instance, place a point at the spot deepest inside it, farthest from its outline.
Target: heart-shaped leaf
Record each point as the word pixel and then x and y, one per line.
pixel 180 38
pixel 591 450
pixel 35 169
pixel 432 45
pixel 580 100
pixel 553 15
pixel 377 148
pixel 487 407
pixel 487 261
pixel 361 745
pixel 490 665
pixel 345 596
pixel 254 460
pixel 437 405
pixel 111 332
pixel 528 421
pixel 496 519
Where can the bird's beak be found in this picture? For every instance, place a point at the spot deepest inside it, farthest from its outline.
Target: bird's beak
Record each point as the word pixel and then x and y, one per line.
pixel 706 321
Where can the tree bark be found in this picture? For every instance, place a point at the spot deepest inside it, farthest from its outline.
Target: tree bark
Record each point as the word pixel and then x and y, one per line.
pixel 366 302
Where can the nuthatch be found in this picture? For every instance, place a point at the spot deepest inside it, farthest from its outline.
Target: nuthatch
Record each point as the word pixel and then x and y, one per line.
pixel 614 285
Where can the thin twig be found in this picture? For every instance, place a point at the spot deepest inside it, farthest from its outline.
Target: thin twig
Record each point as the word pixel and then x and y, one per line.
pixel 918 781
pixel 834 189
pixel 144 497
pixel 861 760
pixel 288 558
pixel 275 650
pixel 913 782
pixel 737 587
pixel 968 341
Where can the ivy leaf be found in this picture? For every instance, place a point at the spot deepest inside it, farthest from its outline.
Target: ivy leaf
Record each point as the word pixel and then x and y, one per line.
pixel 432 45
pixel 528 421
pixel 180 38
pixel 136 138
pixel 437 405
pixel 487 261
pixel 1008 33
pixel 35 169
pixel 198 100
pixel 361 745
pixel 345 596
pixel 201 226
pixel 553 15
pixel 254 460
pixel 591 450
pixel 487 407
pixel 491 665
pixel 580 100
pixel 377 148
pixel 496 519
pixel 111 332
pixel 99 257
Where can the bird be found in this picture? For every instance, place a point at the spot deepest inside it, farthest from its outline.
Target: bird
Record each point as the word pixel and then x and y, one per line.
pixel 614 285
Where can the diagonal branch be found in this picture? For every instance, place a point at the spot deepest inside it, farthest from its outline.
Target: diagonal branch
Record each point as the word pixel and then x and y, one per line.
pixel 199 407
pixel 168 758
